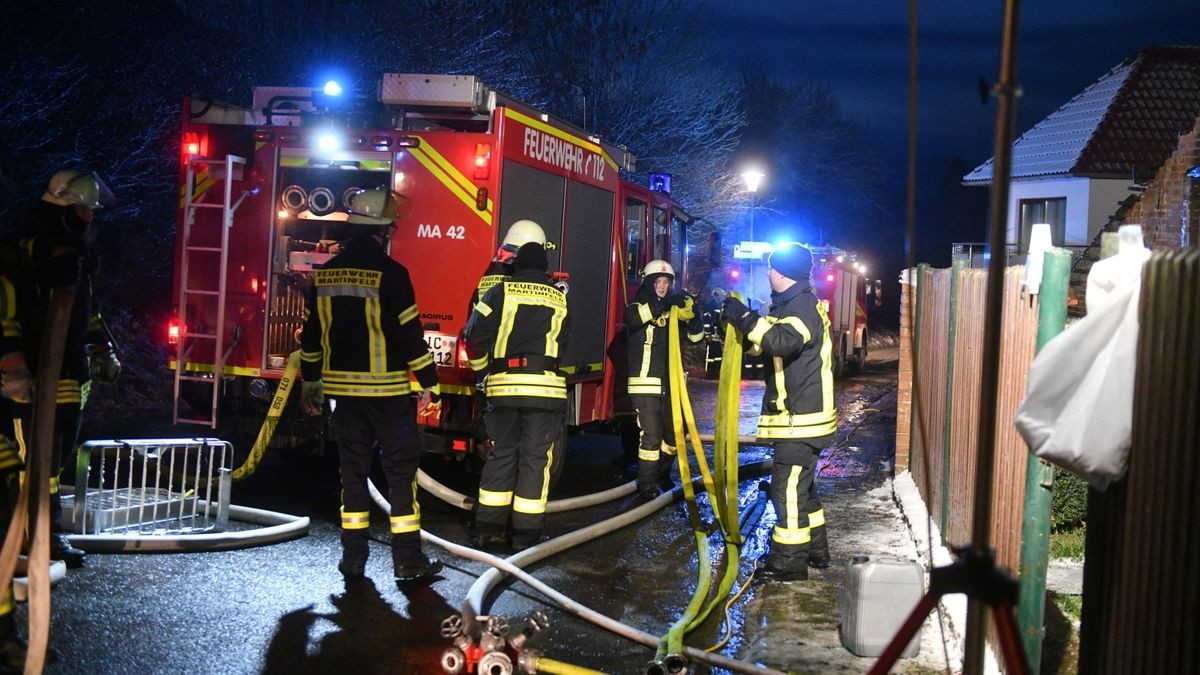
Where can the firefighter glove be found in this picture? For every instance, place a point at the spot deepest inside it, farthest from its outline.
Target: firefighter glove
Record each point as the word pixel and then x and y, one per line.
pixel 430 405
pixel 687 307
pixel 16 382
pixel 737 313
pixel 103 363
pixel 312 396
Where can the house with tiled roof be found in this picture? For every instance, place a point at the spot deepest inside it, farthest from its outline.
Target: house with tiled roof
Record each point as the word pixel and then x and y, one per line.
pixel 1075 167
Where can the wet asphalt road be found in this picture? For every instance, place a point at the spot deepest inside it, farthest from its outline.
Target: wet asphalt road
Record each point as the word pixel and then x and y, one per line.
pixel 285 608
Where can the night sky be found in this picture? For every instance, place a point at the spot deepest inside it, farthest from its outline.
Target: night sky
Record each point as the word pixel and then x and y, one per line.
pixel 861 49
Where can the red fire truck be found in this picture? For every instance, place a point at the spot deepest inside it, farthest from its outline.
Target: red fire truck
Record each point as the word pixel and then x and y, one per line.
pixel 263 201
pixel 843 288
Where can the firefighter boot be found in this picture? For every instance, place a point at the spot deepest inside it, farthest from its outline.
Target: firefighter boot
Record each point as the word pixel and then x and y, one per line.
pixel 354 554
pixel 409 562
pixel 523 539
pixel 779 568
pixel 665 463
pixel 61 549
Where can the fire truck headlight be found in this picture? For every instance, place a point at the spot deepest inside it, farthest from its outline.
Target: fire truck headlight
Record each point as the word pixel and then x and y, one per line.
pixel 328 141
pixel 332 88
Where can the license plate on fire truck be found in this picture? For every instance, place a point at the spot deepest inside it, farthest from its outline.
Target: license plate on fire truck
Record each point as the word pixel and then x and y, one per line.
pixel 443 347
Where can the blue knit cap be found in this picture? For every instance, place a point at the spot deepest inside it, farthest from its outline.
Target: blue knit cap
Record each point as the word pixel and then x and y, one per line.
pixel 792 260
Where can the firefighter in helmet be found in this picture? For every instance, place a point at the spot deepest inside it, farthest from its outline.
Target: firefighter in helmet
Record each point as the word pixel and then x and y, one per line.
pixel 649 389
pixel 517 333
pixel 798 414
pixel 522 232
pixel 362 337
pixel 53 249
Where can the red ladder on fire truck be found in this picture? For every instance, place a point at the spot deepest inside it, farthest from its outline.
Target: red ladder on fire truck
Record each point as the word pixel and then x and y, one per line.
pixel 187 292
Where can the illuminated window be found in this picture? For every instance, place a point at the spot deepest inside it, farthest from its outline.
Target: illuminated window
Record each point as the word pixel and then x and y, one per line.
pixel 1044 210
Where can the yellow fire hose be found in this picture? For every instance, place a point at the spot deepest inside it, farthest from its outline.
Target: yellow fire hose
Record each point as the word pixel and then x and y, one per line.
pixel 722 491
pixel 267 430
pixel 545 665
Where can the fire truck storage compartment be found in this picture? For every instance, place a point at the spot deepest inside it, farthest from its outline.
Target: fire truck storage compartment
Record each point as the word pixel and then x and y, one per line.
pixel 313 191
pixel 586 231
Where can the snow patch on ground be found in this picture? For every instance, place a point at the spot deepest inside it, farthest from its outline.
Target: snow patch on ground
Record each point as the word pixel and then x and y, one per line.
pixel 927 539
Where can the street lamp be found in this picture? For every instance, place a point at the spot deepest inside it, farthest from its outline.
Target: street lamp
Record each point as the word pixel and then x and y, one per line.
pixel 753 178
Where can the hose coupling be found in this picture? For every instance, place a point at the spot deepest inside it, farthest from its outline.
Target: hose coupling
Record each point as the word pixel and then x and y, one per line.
pixel 676 664
pixel 495 663
pixel 655 667
pixel 454 661
pixel 533 625
pixel 527 661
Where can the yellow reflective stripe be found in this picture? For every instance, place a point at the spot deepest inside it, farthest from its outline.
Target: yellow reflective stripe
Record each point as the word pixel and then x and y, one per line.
pixel 421 361
pixel 812 431
pixel 499 499
pixel 782 535
pixel 325 317
pixel 11 328
pixel 779 381
pixel 644 313
pixel 542 385
pixel 650 455
pixel 479 363
pixel 787 420
pixel 53 485
pixel 791 519
pixel 795 322
pixel 355 520
pixel 816 518
pixel 376 340
pixel 646 349
pixel 556 321
pixel 409 314
pixel 826 359
pixel 644 382
pixel 525 390
pixel 668 449
pixel 367 391
pixel 7 604
pixel 483 309
pixel 523 505
pixel 558 133
pixel 310 357
pixel 546 476
pixel 695 337
pixel 451 178
pixel 759 330
pixel 401 524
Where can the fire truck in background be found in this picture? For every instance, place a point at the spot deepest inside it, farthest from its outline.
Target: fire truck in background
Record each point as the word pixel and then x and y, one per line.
pixel 263 194
pixel 842 287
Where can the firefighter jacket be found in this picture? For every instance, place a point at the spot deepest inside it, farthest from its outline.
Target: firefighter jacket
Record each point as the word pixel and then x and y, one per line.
pixel 517 333
pixel 794 339
pixel 646 321
pixel 50 251
pixel 362 333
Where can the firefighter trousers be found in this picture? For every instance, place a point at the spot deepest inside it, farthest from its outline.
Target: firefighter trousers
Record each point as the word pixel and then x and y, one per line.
pixel 390 421
pixel 799 532
pixel 67 421
pixel 516 478
pixel 656 440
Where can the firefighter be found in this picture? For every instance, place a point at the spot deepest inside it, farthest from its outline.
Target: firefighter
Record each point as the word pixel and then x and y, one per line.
pixel 520 233
pixel 646 324
pixel 15 387
pixel 798 414
pixel 53 250
pixel 361 338
pixel 517 333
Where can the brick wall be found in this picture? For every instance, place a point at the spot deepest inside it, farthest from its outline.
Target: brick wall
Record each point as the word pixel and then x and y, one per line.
pixel 904 388
pixel 1169 210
